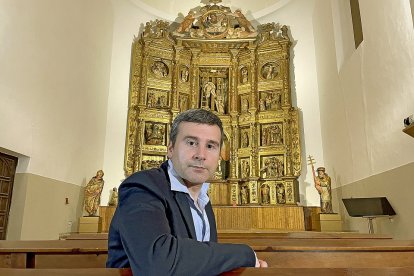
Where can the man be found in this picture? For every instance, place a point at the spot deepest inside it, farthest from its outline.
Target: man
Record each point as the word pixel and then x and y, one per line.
pixel 164 223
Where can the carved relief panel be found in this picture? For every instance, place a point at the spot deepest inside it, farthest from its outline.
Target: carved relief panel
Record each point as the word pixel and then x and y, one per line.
pixel 214 89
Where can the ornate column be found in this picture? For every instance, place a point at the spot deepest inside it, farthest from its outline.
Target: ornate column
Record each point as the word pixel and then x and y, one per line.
pixel 176 75
pixel 233 152
pixel 194 87
pixel 233 79
pixel 136 74
pixel 143 86
pixel 288 143
pixel 254 151
pixel 138 144
pixel 286 91
pixel 254 99
pixel 233 113
pixel 233 179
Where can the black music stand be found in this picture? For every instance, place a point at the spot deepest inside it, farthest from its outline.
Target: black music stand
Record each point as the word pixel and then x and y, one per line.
pixel 369 208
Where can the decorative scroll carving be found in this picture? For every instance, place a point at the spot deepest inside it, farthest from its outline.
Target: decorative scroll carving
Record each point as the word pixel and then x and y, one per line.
pixel 215 22
pixel 216 59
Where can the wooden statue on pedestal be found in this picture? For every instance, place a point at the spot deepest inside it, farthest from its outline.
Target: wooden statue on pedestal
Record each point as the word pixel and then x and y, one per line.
pixel 92 198
pixel 93 191
pixel 328 220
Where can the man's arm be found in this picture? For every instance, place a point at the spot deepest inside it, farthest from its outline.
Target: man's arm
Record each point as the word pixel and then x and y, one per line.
pixel 152 249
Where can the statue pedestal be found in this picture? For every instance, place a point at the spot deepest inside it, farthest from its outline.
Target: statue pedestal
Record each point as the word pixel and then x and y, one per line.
pixel 330 222
pixel 90 225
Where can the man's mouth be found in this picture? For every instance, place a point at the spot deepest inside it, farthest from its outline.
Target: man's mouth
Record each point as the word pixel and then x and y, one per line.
pixel 197 167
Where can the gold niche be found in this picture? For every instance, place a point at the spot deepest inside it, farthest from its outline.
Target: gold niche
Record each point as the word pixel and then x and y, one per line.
pixel 215 59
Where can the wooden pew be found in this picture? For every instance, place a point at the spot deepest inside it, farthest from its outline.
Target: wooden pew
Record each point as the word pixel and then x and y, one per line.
pixel 223 235
pixel 279 253
pixel 53 254
pixel 333 253
pixel 397 271
pixel 87 236
pixel 66 272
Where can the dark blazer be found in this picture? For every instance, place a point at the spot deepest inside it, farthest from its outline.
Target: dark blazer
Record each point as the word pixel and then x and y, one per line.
pixel 152 231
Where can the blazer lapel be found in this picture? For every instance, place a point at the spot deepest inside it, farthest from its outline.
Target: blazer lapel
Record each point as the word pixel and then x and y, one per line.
pixel 182 201
pixel 212 222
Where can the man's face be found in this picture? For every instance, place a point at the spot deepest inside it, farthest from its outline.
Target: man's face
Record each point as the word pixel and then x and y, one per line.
pixel 196 152
pixel 321 173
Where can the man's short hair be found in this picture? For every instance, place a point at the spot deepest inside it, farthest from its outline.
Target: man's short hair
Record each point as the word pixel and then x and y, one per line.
pixel 199 116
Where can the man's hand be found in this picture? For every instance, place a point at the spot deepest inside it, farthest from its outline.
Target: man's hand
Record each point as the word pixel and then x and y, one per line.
pixel 261 263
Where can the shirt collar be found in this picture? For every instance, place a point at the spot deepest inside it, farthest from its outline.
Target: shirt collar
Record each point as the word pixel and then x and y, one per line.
pixel 177 184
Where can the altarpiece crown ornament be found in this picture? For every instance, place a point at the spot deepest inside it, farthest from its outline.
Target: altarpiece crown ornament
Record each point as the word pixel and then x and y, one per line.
pixel 215 59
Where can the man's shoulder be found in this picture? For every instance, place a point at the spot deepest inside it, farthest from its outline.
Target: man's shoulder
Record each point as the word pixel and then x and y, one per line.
pixel 155 180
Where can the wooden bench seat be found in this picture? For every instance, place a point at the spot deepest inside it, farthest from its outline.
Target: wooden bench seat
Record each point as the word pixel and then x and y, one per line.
pixel 66 272
pixel 279 253
pixel 87 236
pixel 53 254
pixel 222 235
pixel 397 271
pixel 298 235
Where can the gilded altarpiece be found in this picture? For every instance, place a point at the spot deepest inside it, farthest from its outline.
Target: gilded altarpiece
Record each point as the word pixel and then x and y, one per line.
pixel 215 59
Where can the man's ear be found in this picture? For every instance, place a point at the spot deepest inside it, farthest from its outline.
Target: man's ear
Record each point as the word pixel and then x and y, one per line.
pixel 170 150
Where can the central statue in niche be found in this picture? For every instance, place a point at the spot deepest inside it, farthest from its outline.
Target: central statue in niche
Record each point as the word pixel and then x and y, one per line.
pixel 215 59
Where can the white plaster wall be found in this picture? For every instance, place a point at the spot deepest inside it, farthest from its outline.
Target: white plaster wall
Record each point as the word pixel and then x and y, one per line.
pixel 296 14
pixel 54 80
pixel 344 36
pixel 128 22
pixel 365 93
pixel 388 81
pixel 331 103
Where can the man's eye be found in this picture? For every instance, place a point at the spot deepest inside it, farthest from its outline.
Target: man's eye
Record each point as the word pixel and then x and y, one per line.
pixel 191 143
pixel 211 146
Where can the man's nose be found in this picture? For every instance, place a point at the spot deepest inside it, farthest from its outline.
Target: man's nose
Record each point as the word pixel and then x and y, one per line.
pixel 200 153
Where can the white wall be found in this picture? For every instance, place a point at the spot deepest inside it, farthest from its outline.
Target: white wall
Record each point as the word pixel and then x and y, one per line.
pixel 128 21
pixel 364 95
pixel 54 79
pixel 296 14
pixel 363 103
